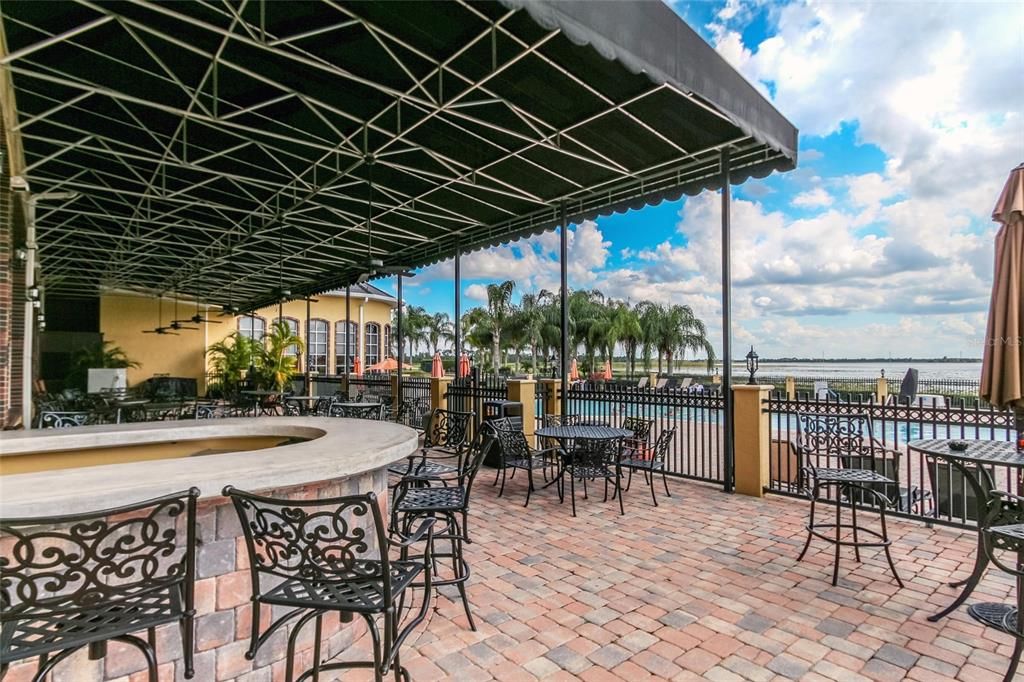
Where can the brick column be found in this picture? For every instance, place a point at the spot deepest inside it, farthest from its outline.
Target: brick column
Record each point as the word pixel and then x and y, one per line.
pixel 751 439
pixel 439 392
pixel 652 379
pixel 551 389
pixel 525 391
pixel 882 389
pixel 790 388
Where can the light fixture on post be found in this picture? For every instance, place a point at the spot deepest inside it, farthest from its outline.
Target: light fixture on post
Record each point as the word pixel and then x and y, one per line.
pixel 21 254
pixel 32 294
pixel 752 367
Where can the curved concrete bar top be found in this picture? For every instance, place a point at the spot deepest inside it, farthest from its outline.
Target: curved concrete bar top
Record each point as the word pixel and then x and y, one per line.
pixel 337 448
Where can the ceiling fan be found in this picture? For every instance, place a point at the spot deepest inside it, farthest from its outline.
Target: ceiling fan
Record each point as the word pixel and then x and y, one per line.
pixel 195 319
pixel 375 266
pixel 160 328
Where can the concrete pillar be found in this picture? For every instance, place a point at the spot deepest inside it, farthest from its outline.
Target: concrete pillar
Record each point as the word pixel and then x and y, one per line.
pixel 525 391
pixel 751 439
pixel 652 379
pixel 882 390
pixel 790 388
pixel 551 388
pixel 439 392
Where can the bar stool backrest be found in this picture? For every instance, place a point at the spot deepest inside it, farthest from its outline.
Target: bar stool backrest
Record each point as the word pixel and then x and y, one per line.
pixel 363 411
pixel 329 540
pixel 447 429
pixel 835 440
pixel 60 565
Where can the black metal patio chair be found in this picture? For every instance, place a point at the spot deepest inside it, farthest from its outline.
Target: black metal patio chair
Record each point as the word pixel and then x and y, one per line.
pixel 639 443
pixel 837 458
pixel 81 580
pixel 514 452
pixel 417 498
pixel 592 460
pixel 312 557
pixel 650 462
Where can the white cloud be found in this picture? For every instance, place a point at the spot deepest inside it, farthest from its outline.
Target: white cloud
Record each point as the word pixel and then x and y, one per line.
pixel 477 292
pixel 813 198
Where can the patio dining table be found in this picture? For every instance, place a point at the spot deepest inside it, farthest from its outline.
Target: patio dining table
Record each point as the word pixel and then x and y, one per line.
pixel 973 464
pixel 566 435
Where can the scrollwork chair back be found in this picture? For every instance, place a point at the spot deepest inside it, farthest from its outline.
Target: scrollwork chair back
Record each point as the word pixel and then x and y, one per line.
pixel 75 580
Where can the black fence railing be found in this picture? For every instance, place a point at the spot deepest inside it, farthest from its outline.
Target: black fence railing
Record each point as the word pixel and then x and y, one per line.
pixel 467 394
pixel 931 490
pixel 696 451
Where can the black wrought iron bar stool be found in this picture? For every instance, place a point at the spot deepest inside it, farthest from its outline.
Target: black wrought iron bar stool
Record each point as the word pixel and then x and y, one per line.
pixel 80 580
pixel 441 451
pixel 420 498
pixel 845 445
pixel 331 555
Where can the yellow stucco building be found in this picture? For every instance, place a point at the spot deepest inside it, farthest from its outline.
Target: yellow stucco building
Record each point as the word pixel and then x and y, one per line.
pixel 124 317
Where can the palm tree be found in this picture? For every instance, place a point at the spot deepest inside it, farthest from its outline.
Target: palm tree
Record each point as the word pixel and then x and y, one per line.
pixel 281 349
pixel 531 320
pixel 477 335
pixel 100 355
pixel 439 328
pixel 649 315
pixel 231 357
pixel 415 323
pixel 629 331
pixel 499 310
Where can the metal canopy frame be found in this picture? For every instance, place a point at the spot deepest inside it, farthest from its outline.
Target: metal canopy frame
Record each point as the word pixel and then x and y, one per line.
pixel 197 135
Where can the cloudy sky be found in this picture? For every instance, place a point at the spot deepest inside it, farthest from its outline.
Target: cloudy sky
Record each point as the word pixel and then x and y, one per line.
pixel 911 114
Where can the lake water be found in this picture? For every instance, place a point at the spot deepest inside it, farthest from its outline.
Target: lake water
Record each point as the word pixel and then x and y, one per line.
pixel 854 370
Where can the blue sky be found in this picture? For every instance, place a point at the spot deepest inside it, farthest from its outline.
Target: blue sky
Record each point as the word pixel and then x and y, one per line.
pixel 880 243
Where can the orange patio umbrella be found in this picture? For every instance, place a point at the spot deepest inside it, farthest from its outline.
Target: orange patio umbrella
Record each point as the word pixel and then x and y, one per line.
pixel 437 367
pixel 387 365
pixel 608 370
pixel 357 367
pixel 1002 371
pixel 574 371
pixel 463 366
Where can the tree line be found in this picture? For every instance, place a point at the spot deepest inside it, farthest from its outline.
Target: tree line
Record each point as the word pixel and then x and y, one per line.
pixel 597 324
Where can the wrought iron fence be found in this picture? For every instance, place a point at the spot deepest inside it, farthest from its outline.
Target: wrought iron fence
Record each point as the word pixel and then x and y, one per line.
pixel 930 490
pixel 467 394
pixel 699 419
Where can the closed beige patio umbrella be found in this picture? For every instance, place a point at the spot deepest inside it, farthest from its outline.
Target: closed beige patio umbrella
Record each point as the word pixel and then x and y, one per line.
pixel 1002 373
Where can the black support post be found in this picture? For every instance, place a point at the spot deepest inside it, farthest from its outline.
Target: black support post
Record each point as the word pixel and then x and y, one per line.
pixel 401 352
pixel 458 306
pixel 348 332
pixel 727 405
pixel 563 255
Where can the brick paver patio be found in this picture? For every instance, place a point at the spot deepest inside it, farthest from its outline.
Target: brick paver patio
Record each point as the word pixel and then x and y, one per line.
pixel 706 585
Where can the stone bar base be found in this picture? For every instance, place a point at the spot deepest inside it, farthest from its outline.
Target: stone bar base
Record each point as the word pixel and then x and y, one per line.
pixel 223 609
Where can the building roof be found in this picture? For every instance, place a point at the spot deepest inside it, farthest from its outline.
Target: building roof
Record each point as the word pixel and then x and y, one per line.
pixel 237 151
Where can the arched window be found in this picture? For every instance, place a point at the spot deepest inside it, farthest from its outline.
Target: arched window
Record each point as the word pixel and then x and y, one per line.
pixel 341 337
pixel 316 346
pixel 252 327
pixel 372 344
pixel 293 350
pixel 388 350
